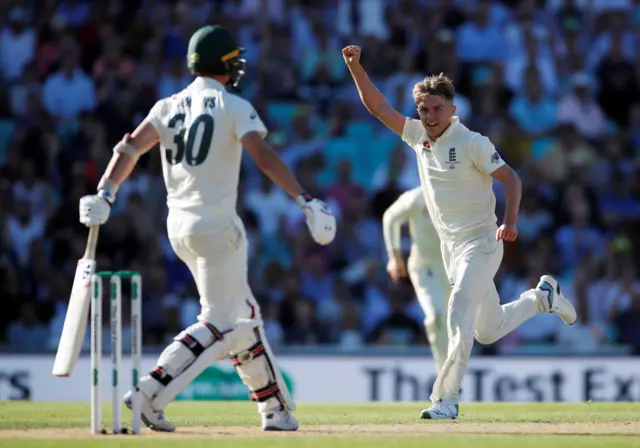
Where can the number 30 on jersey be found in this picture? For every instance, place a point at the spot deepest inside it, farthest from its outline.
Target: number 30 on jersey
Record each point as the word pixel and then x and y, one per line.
pixel 204 125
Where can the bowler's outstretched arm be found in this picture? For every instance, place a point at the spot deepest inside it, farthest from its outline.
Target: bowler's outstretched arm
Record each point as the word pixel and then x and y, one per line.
pixel 371 97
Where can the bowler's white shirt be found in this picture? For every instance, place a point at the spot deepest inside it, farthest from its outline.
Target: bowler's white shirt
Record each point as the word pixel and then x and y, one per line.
pixel 204 188
pixel 455 173
pixel 425 242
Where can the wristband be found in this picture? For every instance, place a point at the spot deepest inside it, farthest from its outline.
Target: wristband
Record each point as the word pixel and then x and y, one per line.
pixel 107 195
pixel 107 189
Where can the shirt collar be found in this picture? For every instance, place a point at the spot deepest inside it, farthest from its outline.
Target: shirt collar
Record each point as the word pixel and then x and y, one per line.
pixel 201 83
pixel 453 127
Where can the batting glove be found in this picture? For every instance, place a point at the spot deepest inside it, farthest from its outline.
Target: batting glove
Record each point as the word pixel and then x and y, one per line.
pixel 95 208
pixel 320 220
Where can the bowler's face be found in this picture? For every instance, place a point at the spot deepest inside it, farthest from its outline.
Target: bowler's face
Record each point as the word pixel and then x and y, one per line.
pixel 435 114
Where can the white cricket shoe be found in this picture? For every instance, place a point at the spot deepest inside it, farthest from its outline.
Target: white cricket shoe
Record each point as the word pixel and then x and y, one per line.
pixel 556 302
pixel 154 420
pixel 440 411
pixel 279 421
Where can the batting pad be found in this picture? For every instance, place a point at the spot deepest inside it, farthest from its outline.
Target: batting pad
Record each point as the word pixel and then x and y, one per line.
pixel 259 371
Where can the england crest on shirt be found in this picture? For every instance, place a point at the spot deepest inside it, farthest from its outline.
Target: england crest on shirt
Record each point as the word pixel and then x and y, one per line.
pixel 453 159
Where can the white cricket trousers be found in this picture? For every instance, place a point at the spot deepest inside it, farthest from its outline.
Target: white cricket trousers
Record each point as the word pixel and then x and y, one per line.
pixel 217 258
pixel 432 288
pixel 474 306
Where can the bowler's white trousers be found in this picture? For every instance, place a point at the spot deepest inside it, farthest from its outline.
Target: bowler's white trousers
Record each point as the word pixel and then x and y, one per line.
pixel 432 288
pixel 474 308
pixel 216 255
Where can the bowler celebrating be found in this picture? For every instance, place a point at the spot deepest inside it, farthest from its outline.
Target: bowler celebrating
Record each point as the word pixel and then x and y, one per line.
pixel 456 170
pixel 424 267
pixel 201 131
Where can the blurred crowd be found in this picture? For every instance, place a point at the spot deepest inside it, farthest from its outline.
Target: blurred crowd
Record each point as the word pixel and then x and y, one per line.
pixel 554 84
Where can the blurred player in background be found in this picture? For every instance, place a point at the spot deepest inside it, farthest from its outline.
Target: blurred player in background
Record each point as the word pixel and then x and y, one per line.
pixel 201 131
pixel 457 167
pixel 425 268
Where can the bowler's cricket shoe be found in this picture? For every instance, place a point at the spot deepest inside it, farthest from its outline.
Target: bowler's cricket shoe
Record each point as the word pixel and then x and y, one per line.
pixel 440 411
pixel 279 421
pixel 153 419
pixel 557 303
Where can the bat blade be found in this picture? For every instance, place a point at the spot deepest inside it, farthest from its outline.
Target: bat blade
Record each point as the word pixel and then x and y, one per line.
pixel 75 322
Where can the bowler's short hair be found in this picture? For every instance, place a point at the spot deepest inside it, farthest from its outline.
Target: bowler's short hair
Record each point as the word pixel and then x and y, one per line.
pixel 434 85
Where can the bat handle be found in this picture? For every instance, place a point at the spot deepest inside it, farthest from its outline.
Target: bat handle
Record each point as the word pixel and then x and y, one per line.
pixel 92 242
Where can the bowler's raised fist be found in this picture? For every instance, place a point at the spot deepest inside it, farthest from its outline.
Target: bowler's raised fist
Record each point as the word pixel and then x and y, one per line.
pixel 351 54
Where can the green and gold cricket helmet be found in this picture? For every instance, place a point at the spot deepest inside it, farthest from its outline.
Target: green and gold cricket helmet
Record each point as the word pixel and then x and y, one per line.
pixel 214 51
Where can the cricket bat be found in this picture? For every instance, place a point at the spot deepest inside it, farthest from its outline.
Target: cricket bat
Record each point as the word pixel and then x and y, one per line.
pixel 75 322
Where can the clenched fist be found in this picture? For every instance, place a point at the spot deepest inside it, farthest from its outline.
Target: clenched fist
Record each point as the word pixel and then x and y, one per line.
pixel 351 55
pixel 507 232
pixel 396 267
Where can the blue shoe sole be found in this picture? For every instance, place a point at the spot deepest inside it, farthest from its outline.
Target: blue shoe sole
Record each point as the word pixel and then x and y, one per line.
pixel 274 428
pixel 427 416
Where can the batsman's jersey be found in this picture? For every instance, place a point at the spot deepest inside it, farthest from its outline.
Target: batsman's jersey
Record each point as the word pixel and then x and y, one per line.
pixel 200 130
pixel 455 173
pixel 425 243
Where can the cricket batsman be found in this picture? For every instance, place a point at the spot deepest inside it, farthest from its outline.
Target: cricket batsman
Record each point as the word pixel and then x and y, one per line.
pixel 201 131
pixel 425 268
pixel 457 167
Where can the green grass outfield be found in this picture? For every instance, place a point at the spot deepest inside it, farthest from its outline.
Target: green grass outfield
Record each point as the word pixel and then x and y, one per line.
pixel 236 424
